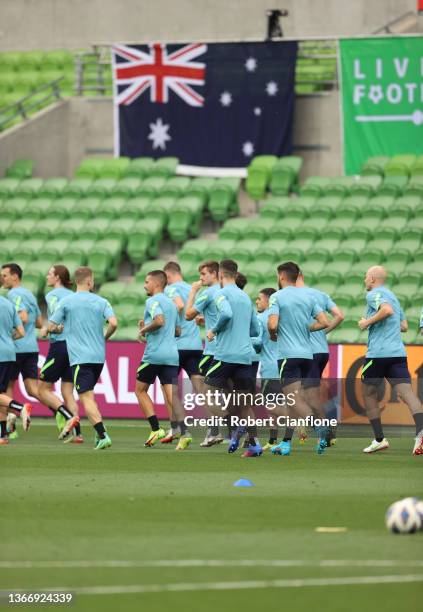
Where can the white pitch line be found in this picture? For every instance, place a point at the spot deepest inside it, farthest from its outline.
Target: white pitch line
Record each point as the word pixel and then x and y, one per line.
pixel 235 586
pixel 208 563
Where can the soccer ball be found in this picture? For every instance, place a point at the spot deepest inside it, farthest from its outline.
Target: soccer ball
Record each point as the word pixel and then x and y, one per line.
pixel 419 508
pixel 403 516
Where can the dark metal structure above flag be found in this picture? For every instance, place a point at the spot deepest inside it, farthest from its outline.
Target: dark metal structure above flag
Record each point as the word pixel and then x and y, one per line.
pixel 215 105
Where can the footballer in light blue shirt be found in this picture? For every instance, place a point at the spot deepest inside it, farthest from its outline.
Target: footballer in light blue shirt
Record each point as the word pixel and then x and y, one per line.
pixel 386 357
pixel 159 329
pixel 189 343
pixel 318 339
pixel 83 315
pixel 28 311
pixel 201 306
pixel 57 366
pixel 10 328
pixel 235 326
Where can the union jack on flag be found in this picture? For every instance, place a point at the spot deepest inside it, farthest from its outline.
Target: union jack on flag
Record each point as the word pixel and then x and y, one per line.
pixel 159 71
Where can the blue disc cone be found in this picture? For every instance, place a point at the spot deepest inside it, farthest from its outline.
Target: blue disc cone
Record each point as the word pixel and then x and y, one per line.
pixel 243 482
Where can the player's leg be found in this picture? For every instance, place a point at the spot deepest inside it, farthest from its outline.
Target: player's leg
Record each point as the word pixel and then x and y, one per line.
pixel 85 378
pixel 270 389
pixel 190 364
pixel 56 367
pixel 399 376
pixel 146 375
pixel 313 393
pixel 15 408
pixel 372 375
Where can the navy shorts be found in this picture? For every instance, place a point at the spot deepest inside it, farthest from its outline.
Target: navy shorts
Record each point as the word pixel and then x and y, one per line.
pixel 86 375
pixel 270 386
pixel 190 361
pixel 318 365
pixel 6 368
pixel 57 364
pixel 148 372
pixel 204 364
pixel 394 369
pixel 221 374
pixel 292 370
pixel 25 364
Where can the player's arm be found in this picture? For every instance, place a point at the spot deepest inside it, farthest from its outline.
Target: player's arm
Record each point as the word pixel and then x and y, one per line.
pixel 155 324
pixel 39 322
pixel 254 325
pixel 338 317
pixel 18 332
pixel 112 325
pixel 322 322
pixel 23 315
pixel 385 311
pixel 56 322
pixel 273 320
pixel 257 341
pixel 190 311
pixel 403 322
pixel 225 314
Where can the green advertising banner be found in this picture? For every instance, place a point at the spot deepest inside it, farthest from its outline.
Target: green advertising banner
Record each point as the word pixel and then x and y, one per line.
pixel 382 98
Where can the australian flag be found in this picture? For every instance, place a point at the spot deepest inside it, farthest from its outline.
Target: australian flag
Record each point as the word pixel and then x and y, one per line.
pixel 214 105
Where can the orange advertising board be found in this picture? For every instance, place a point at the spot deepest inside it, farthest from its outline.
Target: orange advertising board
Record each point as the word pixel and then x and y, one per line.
pixel 394 412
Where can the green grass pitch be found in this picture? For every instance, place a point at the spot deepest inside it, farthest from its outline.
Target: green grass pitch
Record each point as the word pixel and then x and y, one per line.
pixel 132 528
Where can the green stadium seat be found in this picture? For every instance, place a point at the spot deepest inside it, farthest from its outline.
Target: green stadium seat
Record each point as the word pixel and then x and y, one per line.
pixel 314 186
pixel 399 255
pixel 258 229
pixel 373 254
pixel 72 229
pixel 114 292
pixel 55 249
pixel 179 225
pixel 304 238
pixel 175 186
pixel 100 261
pixel 356 238
pixel 330 238
pixel 274 207
pixel 86 208
pixel 413 332
pixel 294 217
pixel 257 181
pixel 65 204
pixel 219 249
pixel 329 281
pixel 194 206
pixel 80 247
pixel 366 185
pixel 77 188
pixel 374 165
pixel 8 187
pixel 258 271
pixel 165 166
pixel 16 206
pixel 29 188
pixel 348 332
pixel 111 208
pixel 126 187
pixel 320 216
pixel 113 167
pixel 45 206
pixel 371 217
pixel 409 283
pixel 72 262
pixel 343 261
pixel 221 201
pixel 135 294
pixel 151 186
pixel 383 239
pixel 340 186
pixel 21 168
pixel 393 185
pixel 149 266
pixel 312 269
pixel 160 210
pixel 143 240
pixel 414 187
pixel 23 227
pixel 395 221
pixel 286 253
pixel 244 250
pixel 52 188
pixel 137 206
pixel 268 252
pixel 101 187
pixel 280 231
pixel 234 228
pixel 347 214
pixel 140 167
pixel 127 314
pixel 194 251
pixel 343 300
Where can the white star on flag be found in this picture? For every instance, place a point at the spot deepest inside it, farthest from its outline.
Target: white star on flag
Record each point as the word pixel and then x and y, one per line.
pixel 248 148
pixel 226 98
pixel 251 64
pixel 159 134
pixel 272 88
pixel 257 111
